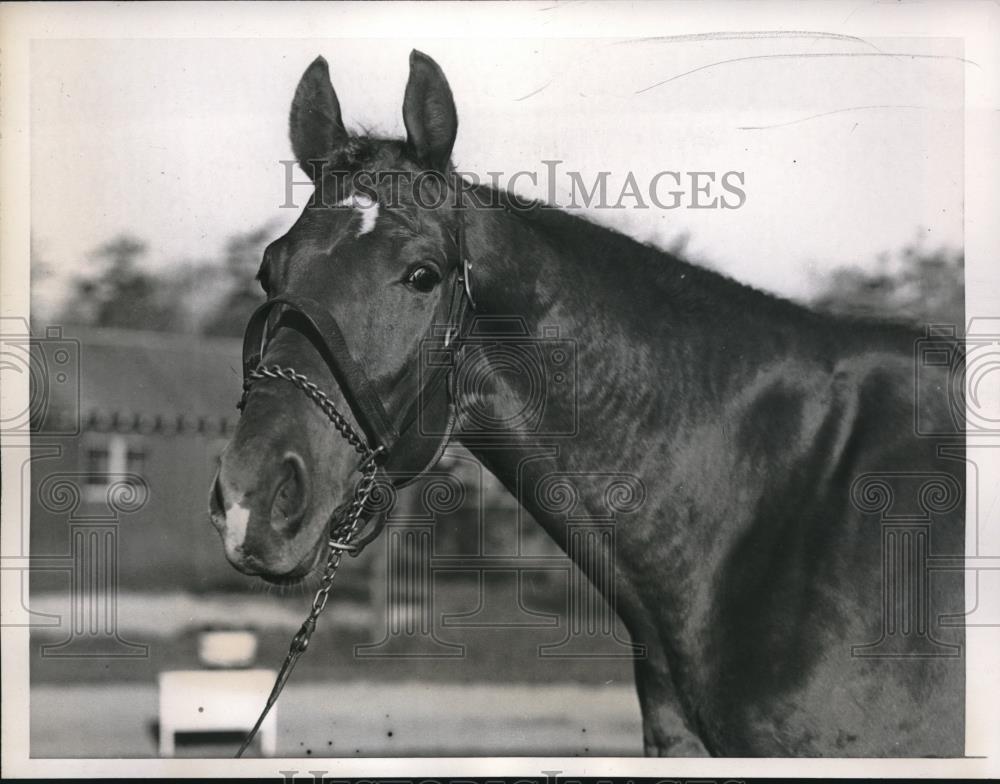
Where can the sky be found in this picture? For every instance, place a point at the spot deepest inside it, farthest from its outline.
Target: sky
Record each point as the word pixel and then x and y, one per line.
pixel 848 148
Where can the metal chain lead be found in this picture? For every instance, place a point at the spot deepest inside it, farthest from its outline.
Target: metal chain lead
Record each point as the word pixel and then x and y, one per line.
pixel 314 393
pixel 341 535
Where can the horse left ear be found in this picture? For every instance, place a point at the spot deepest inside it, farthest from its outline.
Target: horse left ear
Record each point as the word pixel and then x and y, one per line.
pixel 314 121
pixel 429 113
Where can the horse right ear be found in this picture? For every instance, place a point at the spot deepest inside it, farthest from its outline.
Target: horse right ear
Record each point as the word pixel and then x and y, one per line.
pixel 315 126
pixel 429 113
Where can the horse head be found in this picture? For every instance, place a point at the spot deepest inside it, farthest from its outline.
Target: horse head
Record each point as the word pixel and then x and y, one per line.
pixel 376 256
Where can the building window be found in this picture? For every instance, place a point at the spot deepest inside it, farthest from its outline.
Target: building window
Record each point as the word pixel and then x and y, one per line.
pixel 98 466
pixel 107 459
pixel 135 461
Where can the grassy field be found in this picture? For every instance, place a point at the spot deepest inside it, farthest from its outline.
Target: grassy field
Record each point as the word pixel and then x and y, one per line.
pixel 358 719
pixel 169 624
pixel 493 694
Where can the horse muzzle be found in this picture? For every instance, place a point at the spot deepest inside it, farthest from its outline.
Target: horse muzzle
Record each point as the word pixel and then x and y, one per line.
pixel 258 530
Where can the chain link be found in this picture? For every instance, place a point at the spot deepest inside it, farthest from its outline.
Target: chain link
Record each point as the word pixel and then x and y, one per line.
pixel 314 393
pixel 341 534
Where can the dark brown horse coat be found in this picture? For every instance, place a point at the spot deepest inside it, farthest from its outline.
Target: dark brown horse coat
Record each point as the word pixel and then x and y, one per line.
pixel 763 435
pixel 751 573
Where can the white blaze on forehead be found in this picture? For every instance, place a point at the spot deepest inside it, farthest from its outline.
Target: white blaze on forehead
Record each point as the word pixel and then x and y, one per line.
pixel 237 518
pixel 366 207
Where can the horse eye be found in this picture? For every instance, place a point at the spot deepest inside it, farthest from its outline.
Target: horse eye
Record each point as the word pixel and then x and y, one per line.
pixel 423 278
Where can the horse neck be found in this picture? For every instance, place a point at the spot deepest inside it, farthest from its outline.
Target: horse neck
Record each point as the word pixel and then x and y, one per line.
pixel 659 343
pixel 652 335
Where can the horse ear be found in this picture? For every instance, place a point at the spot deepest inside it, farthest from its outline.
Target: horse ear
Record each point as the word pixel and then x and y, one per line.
pixel 314 122
pixel 429 113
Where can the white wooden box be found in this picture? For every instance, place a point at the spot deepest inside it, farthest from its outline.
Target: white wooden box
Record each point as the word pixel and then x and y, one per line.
pixel 215 701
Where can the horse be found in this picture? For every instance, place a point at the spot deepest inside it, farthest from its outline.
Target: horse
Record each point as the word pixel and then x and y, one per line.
pixel 769 440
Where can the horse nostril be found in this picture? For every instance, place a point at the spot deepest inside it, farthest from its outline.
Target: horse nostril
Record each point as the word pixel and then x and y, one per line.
pixel 216 502
pixel 291 496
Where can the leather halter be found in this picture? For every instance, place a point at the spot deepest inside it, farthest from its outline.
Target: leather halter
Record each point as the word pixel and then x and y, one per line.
pixel 382 432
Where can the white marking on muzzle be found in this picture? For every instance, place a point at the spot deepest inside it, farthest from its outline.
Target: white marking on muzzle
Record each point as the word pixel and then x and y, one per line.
pixel 237 518
pixel 366 207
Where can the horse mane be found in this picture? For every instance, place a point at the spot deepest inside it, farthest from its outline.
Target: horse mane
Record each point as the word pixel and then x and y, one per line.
pixel 688 285
pixel 685 284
